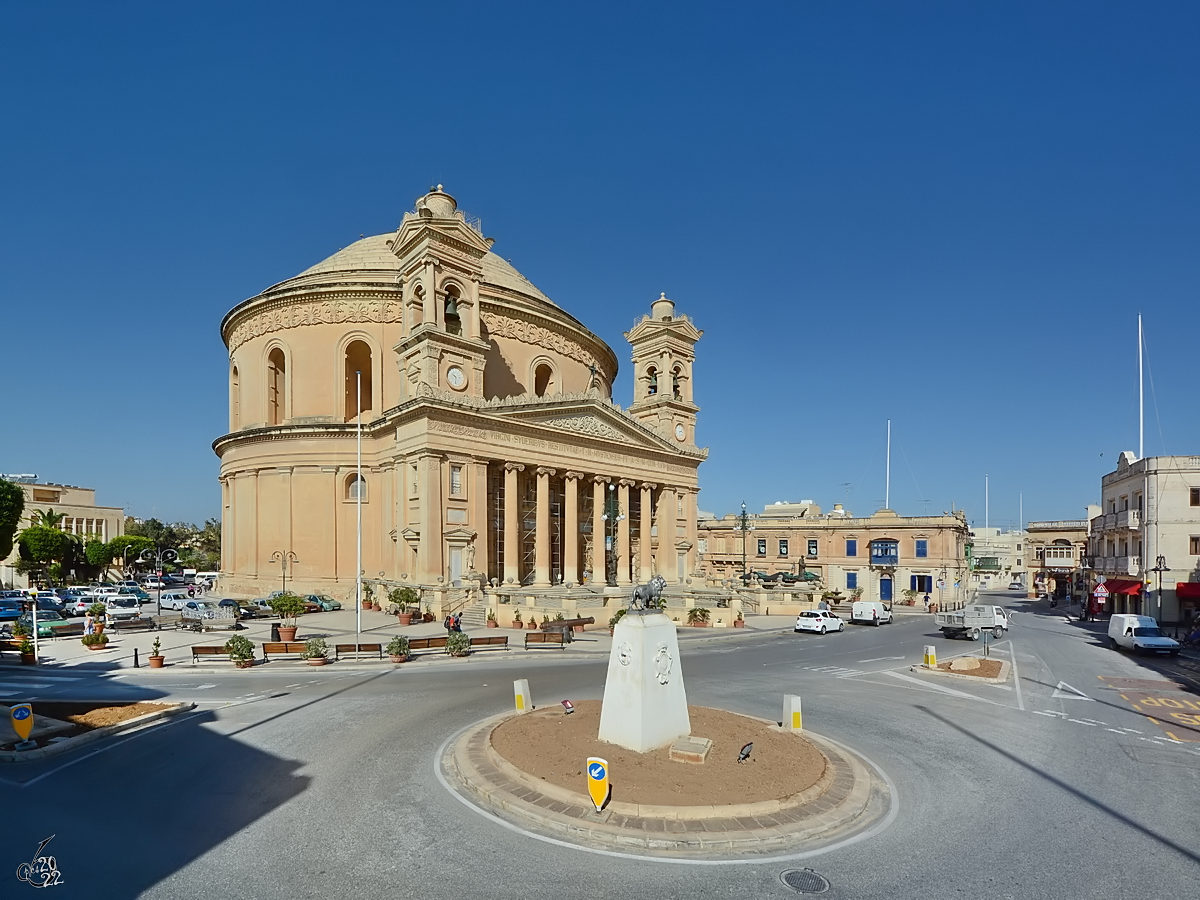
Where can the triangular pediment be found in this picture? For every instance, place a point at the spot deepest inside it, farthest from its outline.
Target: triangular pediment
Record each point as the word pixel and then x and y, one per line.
pixel 596 421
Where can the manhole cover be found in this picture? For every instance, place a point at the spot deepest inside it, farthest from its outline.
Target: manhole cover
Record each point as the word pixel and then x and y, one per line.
pixel 806 881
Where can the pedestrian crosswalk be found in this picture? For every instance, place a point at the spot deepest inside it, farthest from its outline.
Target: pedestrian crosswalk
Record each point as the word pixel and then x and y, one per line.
pixel 19 683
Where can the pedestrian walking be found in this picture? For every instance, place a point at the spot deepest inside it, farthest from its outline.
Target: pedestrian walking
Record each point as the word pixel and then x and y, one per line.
pixel 89 624
pixel 458 622
pixel 926 603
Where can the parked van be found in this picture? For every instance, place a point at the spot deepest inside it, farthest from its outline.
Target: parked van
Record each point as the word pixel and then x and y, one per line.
pixel 869 612
pixel 1140 634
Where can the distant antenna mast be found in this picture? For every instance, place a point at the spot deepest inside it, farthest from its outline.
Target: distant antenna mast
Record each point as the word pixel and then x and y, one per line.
pixel 985 502
pixel 1141 397
pixel 887 482
pixel 1021 514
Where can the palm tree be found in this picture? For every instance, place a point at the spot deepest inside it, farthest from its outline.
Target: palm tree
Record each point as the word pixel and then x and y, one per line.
pixel 46 519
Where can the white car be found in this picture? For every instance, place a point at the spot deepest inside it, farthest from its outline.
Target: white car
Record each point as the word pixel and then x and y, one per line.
pixel 819 621
pixel 174 599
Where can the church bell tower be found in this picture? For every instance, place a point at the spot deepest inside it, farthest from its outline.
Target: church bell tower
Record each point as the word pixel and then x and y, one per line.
pixel 664 351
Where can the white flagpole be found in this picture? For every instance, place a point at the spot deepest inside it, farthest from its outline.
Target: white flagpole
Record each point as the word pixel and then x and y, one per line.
pixel 986 506
pixel 1141 397
pixel 358 485
pixel 887 482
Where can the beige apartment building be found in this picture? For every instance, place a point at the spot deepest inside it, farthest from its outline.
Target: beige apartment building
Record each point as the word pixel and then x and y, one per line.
pixel 492 451
pixel 1057 552
pixel 1145 540
pixel 81 516
pixel 882 554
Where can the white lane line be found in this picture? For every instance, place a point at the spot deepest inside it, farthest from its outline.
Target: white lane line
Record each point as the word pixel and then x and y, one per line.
pixel 878 659
pixel 937 687
pixel 205 687
pixel 1065 692
pixel 1016 677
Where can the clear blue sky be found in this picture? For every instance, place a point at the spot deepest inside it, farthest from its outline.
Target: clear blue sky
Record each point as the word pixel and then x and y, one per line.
pixel 946 214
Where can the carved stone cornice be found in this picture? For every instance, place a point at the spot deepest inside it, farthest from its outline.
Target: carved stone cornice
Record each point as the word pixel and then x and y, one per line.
pixel 518 327
pixel 320 307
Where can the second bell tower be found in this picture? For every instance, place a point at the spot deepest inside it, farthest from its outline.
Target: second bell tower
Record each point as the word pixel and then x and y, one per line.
pixel 664 351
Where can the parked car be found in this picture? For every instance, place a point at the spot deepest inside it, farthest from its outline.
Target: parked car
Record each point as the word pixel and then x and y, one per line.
pixel 324 602
pixel 126 591
pixel 1016 586
pixel 241 612
pixel 973 621
pixel 819 621
pixel 48 621
pixel 174 599
pixel 79 605
pixel 10 608
pixel 154 583
pixel 122 607
pixel 870 612
pixel 1140 634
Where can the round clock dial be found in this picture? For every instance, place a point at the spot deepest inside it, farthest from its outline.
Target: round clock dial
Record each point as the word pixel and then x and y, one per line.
pixel 680 433
pixel 455 377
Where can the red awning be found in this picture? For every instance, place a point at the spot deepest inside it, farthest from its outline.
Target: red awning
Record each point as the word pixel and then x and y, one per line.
pixel 1187 590
pixel 1116 586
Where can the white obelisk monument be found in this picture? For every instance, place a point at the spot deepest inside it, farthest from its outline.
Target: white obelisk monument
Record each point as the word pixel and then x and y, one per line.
pixel 645 706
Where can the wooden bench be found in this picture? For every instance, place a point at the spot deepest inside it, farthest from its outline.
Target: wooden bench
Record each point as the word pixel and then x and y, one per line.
pixel 198 652
pixel 426 645
pixel 497 642
pixel 138 624
pixel 545 638
pixel 13 645
pixel 339 649
pixel 282 648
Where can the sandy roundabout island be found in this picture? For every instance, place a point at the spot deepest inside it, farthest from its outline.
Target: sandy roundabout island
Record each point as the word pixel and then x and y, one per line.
pixel 796 792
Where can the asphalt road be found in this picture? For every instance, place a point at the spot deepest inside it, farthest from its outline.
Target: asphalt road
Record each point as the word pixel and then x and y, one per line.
pixel 319 782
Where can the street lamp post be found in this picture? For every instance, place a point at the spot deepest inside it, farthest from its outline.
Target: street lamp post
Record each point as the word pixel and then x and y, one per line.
pixel 283 558
pixel 159 556
pixel 611 516
pixel 1160 566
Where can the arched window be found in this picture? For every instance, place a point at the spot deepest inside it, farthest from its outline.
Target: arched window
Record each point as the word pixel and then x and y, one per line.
pixel 235 400
pixel 453 318
pixel 358 359
pixel 418 306
pixel 356 486
pixel 652 381
pixel 543 377
pixel 276 387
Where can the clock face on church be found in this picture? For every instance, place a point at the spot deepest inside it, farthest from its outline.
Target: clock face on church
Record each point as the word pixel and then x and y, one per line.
pixel 680 432
pixel 456 378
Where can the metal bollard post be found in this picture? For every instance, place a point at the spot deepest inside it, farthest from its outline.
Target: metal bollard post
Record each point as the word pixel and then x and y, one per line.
pixel 792 719
pixel 135 659
pixel 521 695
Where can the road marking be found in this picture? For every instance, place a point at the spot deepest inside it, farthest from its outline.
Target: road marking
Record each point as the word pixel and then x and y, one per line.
pixel 936 687
pixel 878 659
pixel 1065 692
pixel 205 687
pixel 1085 722
pixel 1054 714
pixel 25 685
pixel 1016 677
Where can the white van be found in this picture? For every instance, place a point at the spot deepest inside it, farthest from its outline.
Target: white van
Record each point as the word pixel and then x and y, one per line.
pixel 1139 634
pixel 869 612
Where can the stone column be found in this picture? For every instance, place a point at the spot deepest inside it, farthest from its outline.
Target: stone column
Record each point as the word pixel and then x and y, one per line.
pixel 541 559
pixel 689 515
pixel 429 554
pixel 623 561
pixel 599 573
pixel 646 563
pixel 512 533
pixel 664 559
pixel 571 528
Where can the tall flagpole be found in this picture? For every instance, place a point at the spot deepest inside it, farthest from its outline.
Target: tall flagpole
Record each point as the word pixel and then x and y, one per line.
pixel 986 502
pixel 358 484
pixel 1141 397
pixel 887 481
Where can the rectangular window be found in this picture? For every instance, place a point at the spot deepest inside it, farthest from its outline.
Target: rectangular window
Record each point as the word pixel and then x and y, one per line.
pixel 456 481
pixel 1195 496
pixel 414 479
pixel 762 546
pixel 812 548
pixel 851 547
pixel 851 581
pixel 783 547
pixel 922 548
pixel 1194 545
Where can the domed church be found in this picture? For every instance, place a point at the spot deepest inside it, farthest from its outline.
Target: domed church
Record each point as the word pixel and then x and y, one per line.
pixel 493 455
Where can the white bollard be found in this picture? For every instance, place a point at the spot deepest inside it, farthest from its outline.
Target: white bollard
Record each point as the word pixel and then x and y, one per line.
pixel 521 693
pixel 792 719
pixel 930 656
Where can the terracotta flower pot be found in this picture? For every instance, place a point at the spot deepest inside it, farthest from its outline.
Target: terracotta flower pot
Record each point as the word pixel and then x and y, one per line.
pixel 367 604
pixel 96 646
pixel 492 623
pixel 99 626
pixel 156 662
pixel 243 663
pixel 398 659
pixel 376 607
pixel 427 617
pixel 28 659
pixel 317 661
pixel 739 623
pixel 287 633
pixel 532 626
pixel 404 618
pixel 578 629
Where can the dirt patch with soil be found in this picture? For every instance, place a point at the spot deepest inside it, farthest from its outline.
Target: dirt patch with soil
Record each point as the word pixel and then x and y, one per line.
pixel 553 746
pixel 66 719
pixel 987 668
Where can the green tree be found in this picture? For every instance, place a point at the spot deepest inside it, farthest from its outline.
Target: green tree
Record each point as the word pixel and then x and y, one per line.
pixel 41 547
pixel 47 518
pixel 99 555
pixel 128 547
pixel 12 504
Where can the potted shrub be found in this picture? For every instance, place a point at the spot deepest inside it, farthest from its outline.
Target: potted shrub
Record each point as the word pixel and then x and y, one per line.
pixel 518 622
pixel 397 649
pixel 739 622
pixel 97 611
pixel 314 652
pixel 20 630
pixel 28 657
pixel 533 622
pixel 458 644
pixel 427 616
pixel 698 617
pixel 856 594
pixel 368 596
pixel 491 620
pixel 404 597
pixel 288 607
pixel 95 641
pixel 910 596
pixel 156 658
pixel 617 617
pixel 240 650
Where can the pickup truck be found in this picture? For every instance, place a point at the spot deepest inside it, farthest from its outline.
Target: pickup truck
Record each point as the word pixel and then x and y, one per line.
pixel 971 621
